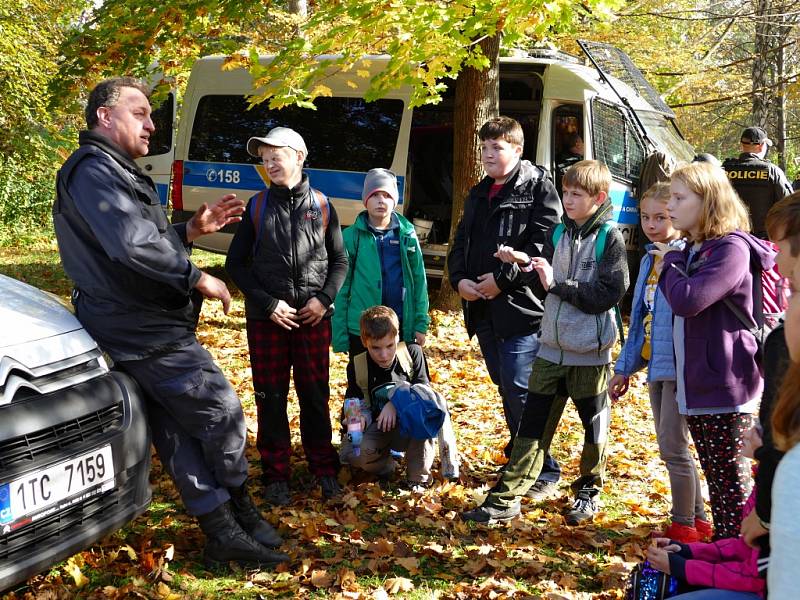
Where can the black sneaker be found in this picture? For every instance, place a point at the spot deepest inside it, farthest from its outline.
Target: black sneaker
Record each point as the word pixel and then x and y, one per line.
pixel 583 509
pixel 542 490
pixel 330 487
pixel 489 514
pixel 277 493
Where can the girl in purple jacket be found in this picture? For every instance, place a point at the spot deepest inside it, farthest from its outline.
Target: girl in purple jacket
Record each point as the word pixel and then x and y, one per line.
pixel 719 380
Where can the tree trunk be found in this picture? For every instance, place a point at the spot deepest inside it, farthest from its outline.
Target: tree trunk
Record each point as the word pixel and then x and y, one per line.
pixel 780 100
pixel 761 64
pixel 477 100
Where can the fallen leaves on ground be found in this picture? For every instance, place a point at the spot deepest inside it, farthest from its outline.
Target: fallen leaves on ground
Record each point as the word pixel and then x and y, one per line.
pixel 377 543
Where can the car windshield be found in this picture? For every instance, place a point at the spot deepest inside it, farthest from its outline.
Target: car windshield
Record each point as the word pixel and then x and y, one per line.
pixel 663 132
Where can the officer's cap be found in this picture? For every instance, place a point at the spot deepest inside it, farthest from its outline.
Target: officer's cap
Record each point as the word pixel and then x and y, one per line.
pixel 755 135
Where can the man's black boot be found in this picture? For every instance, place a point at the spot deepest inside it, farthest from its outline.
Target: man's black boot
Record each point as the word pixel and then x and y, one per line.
pixel 249 517
pixel 228 542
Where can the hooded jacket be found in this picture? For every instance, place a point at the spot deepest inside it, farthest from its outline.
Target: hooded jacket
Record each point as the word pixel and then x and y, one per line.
pixel 134 282
pixel 297 257
pixel 362 286
pixel 720 366
pixel 520 215
pixel 579 325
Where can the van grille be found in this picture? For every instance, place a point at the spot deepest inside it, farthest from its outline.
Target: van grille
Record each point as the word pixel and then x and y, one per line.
pixel 17 382
pixel 81 430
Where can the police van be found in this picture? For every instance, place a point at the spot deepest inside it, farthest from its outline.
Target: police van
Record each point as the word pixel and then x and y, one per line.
pixel 602 101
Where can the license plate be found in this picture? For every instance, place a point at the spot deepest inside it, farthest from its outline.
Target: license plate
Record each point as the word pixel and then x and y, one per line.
pixel 57 486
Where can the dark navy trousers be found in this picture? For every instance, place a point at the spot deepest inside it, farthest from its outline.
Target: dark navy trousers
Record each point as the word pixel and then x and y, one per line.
pixel 197 424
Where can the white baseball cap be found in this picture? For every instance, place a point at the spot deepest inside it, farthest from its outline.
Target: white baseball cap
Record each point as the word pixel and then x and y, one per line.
pixel 280 137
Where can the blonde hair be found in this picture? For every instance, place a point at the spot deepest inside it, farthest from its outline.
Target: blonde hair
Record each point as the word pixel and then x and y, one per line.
pixel 659 192
pixel 722 211
pixel 592 176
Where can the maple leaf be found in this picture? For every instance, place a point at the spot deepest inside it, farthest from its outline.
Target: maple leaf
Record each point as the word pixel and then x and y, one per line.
pixel 396 585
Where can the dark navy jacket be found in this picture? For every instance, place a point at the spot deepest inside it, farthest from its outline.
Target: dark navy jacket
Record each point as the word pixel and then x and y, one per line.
pixel 134 282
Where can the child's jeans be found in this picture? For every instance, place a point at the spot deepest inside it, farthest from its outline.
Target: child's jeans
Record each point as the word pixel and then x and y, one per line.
pixel 375 457
pixel 672 434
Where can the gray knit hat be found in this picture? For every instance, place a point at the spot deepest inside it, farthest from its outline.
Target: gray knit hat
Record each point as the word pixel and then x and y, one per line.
pixel 380 180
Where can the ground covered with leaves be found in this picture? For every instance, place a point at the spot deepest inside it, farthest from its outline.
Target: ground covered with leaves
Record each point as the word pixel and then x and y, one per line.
pixel 377 543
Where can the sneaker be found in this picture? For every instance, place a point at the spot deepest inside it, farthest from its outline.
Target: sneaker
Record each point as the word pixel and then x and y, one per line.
pixel 489 514
pixel 330 487
pixel 541 490
pixel 704 529
pixel 680 533
pixel 416 487
pixel 583 509
pixel 277 493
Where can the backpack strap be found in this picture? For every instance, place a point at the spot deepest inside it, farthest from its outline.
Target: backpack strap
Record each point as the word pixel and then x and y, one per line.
pixel 322 203
pixel 362 374
pixel 557 233
pixel 404 358
pixel 258 207
pixel 599 249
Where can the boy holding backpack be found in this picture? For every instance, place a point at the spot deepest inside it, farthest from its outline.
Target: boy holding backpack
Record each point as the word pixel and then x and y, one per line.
pixel 288 260
pixel 399 410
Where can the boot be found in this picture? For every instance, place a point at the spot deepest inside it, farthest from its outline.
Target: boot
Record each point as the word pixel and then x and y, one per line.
pixel 227 541
pixel 249 517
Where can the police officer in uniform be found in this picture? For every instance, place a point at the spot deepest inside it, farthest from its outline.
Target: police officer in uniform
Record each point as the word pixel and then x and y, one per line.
pixel 138 293
pixel 759 183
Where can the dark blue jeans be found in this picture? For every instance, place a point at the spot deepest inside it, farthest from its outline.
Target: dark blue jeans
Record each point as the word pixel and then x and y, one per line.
pixel 509 362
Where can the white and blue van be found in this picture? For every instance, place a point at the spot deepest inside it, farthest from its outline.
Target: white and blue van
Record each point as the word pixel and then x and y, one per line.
pixel 605 100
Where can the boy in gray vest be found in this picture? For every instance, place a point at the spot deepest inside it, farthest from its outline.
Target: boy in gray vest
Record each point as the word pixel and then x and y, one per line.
pixel 374 377
pixel 584 271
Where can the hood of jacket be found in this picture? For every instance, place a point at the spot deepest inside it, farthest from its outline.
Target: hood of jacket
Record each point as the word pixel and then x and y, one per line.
pixel 761 251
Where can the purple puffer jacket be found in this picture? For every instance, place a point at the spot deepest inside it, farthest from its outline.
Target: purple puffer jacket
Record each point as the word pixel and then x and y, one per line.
pixel 720 367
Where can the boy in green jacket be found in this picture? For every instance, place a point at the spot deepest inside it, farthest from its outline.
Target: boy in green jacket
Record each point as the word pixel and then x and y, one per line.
pixel 385 268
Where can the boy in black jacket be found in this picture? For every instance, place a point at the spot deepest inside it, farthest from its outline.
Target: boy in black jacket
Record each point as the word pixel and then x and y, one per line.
pixel 513 205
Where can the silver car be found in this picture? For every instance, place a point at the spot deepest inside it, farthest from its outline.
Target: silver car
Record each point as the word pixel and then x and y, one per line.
pixel 74 443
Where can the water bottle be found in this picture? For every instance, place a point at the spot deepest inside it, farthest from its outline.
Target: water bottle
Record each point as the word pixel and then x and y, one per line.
pixel 355 424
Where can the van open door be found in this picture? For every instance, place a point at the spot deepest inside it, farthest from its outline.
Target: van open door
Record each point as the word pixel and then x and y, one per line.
pixel 158 162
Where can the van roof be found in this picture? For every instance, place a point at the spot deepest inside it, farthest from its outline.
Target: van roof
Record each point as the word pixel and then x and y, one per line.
pixel 565 77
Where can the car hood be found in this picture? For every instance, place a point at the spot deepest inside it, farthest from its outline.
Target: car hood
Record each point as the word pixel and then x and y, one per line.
pixel 28 314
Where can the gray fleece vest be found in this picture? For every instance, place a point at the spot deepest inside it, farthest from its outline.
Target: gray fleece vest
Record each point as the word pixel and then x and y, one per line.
pixel 569 336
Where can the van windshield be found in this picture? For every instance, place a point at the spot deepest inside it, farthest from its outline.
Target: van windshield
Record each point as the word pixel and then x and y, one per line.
pixel 663 132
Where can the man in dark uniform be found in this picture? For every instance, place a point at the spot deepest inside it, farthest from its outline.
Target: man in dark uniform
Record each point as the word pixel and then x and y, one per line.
pixel 759 183
pixel 138 294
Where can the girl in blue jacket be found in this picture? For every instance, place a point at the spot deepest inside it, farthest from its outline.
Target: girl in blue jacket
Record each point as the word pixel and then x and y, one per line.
pixel 650 344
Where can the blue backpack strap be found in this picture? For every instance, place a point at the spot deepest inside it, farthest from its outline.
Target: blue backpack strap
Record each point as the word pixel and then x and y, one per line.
pixel 258 208
pixel 324 207
pixel 557 233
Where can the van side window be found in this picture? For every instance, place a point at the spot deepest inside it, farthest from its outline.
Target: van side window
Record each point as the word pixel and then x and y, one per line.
pixel 161 139
pixel 567 140
pixel 343 134
pixel 615 141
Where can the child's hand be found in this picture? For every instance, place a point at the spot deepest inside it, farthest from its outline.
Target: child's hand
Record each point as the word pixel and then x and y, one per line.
pixel 508 255
pixel 661 249
pixel 312 312
pixel 752 442
pixel 468 290
pixel 666 544
pixel 752 529
pixel 285 316
pixel 388 417
pixel 544 270
pixel 488 286
pixel 618 386
pixel 419 338
pixel 659 558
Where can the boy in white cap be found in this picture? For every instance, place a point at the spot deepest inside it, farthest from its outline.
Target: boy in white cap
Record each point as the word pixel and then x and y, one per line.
pixel 385 268
pixel 288 260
